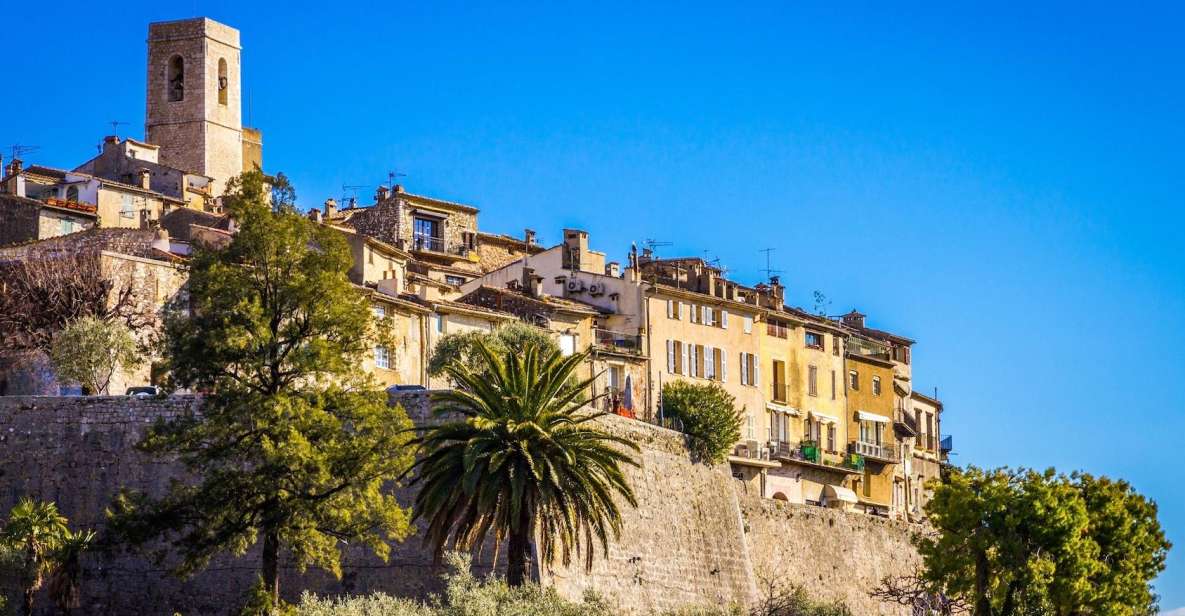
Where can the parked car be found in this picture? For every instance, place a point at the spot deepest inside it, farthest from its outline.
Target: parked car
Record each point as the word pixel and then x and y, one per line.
pixel 143 391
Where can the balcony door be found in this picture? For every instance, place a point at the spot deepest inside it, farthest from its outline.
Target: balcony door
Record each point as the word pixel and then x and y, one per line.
pixel 427 234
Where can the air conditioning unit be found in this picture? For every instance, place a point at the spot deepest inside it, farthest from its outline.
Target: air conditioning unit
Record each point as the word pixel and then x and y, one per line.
pixel 596 288
pixel 575 285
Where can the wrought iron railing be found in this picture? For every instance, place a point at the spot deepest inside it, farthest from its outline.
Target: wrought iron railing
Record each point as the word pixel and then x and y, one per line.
pixel 618 341
pixel 873 450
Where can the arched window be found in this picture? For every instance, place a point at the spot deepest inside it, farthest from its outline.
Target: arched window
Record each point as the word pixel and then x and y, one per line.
pixel 176 82
pixel 222 81
pixel 72 194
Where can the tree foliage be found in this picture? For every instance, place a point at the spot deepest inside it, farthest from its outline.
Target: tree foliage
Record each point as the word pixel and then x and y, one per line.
pixel 1025 542
pixel 90 351
pixel 523 457
pixel 709 417
pixel 43 546
pixel 293 445
pixel 462 348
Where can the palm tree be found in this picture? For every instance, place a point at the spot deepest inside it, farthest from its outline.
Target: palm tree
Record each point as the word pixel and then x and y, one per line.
pixel 523 457
pixel 64 581
pixel 36 530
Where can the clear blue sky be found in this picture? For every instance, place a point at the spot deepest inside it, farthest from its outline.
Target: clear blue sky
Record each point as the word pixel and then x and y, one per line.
pixel 1005 185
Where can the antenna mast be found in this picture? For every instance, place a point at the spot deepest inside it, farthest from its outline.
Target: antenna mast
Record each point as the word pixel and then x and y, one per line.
pixel 769 270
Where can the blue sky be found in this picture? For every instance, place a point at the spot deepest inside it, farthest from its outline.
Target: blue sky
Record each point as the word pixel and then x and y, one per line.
pixel 1003 184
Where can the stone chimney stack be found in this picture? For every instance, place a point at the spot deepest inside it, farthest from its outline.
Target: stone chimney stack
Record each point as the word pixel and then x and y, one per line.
pixel 330 207
pixel 145 179
pixel 399 188
pixel 529 237
pixel 381 194
pixel 613 268
pixel 13 167
pixel 315 215
pixel 777 292
pixel 853 319
pixel 532 283
pixel 575 247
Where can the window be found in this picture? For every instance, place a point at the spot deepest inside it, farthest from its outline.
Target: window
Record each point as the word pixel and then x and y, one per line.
pixel 776 328
pixel 814 340
pixel 854 380
pixel 127 206
pixel 222 81
pixel 749 425
pixel 748 325
pixel 695 313
pixel 176 79
pixel 567 344
pixel 67 226
pixel 379 311
pixel 779 381
pixel 616 375
pixel 456 281
pixel 812 380
pixel 672 309
pixel 749 369
pixel 832 384
pixel 439 323
pixel 836 341
pixel 709 316
pixel 382 359
pixel 710 362
pixel 72 194
pixel 426 235
pixel 723 319
pixel 876 385
pixel 831 437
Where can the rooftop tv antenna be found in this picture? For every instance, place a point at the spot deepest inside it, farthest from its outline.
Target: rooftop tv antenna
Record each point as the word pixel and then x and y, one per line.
pixel 653 243
pixel 19 150
pixel 115 124
pixel 770 272
pixel 351 191
pixel 392 176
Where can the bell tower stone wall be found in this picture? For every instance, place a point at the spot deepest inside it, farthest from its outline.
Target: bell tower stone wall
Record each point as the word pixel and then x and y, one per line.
pixel 194 101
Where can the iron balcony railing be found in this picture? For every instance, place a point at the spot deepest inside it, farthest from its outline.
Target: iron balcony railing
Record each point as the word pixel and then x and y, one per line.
pixel 619 341
pixel 428 242
pixel 809 451
pixel 875 451
pixel 947 444
pixel 868 348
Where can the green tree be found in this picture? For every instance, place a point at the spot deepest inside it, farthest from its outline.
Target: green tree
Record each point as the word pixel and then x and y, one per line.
pixel 709 417
pixel 90 351
pixel 522 457
pixel 65 580
pixel 37 533
pixel 1022 542
pixel 462 347
pixel 1131 546
pixel 293 444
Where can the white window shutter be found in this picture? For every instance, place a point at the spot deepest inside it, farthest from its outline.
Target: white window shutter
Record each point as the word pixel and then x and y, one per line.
pixel 724 319
pixel 723 366
pixel 757 370
pixel 670 309
pixel 670 356
pixel 709 362
pixel 686 352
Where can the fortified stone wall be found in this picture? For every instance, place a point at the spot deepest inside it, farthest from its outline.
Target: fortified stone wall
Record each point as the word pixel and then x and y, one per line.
pixel 695 538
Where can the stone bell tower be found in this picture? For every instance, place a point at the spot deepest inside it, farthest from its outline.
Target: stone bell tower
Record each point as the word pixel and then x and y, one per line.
pixel 194 108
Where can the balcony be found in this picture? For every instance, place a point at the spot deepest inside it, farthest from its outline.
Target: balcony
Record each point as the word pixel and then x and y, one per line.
pixel 947 444
pixel 431 243
pixel 873 451
pixel 808 452
pixel 618 341
pixel 904 422
pixel 72 205
pixel 868 348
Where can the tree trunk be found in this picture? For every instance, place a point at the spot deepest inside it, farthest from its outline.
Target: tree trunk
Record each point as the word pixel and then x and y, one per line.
pixel 983 605
pixel 520 546
pixel 271 561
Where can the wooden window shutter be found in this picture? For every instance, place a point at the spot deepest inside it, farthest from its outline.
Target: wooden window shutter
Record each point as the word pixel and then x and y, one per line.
pixel 699 360
pixel 717 363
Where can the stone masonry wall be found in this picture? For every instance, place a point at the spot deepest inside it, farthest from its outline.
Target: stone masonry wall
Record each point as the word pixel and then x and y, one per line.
pixel 695 538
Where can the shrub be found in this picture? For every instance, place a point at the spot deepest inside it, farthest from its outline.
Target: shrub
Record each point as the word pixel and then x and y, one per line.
pixel 709 416
pixel 90 351
pixel 463 347
pixel 464 595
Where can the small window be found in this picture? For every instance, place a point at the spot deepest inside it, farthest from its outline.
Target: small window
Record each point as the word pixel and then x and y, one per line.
pixel 814 340
pixel 812 382
pixel 127 207
pixel 379 311
pixel 832 384
pixel 567 345
pixel 454 280
pixel 223 82
pixel 382 359
pixel 72 194
pixel 176 79
pixel 876 385
pixel 748 325
pixel 66 226
pixel 854 380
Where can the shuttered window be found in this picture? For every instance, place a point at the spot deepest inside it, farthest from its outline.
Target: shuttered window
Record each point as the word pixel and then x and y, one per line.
pixel 723 319
pixel 670 356
pixel 684 368
pixel 812 380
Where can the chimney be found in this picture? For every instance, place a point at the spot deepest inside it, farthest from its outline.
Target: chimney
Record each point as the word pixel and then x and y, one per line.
pixel 529 236
pixel 399 188
pixel 145 179
pixel 853 319
pixel 613 268
pixel 330 207
pixel 777 291
pixel 13 167
pixel 381 194
pixel 532 283
pixel 315 215
pixel 109 141
pixel 575 247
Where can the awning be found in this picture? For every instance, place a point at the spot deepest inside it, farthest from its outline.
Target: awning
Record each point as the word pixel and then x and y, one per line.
pixel 825 418
pixel 778 408
pixel 866 416
pixel 839 493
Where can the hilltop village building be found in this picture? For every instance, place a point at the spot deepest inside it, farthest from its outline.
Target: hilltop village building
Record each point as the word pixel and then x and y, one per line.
pixel 830 414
